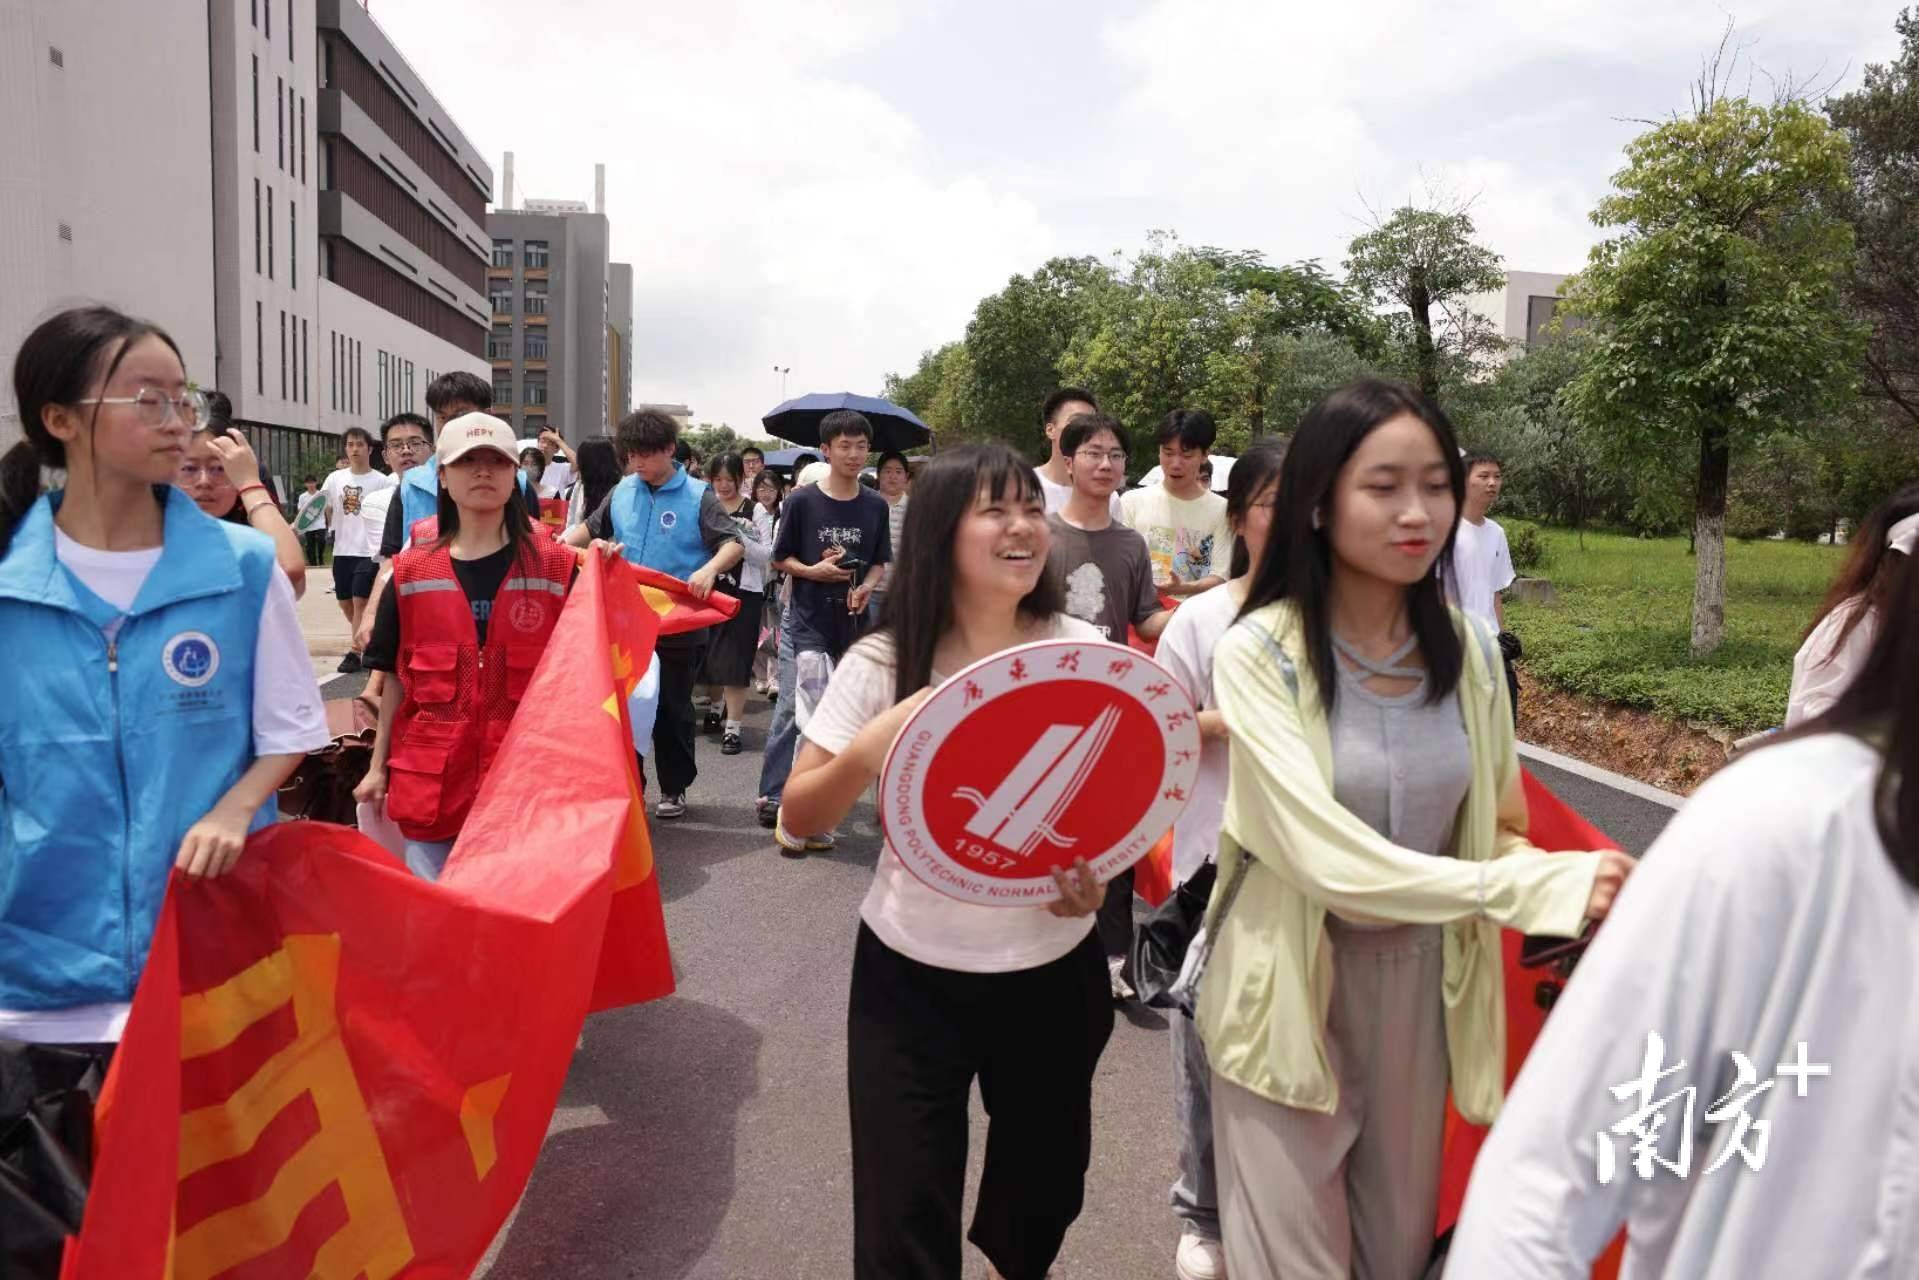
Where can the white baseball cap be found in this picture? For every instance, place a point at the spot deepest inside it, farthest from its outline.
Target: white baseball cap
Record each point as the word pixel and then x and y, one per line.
pixel 472 431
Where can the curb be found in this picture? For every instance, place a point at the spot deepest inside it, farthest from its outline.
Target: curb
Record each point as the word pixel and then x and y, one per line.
pixel 1605 777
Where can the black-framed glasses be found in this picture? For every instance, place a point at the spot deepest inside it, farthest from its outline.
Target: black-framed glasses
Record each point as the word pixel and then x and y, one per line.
pixel 1096 456
pixel 155 408
pixel 407 444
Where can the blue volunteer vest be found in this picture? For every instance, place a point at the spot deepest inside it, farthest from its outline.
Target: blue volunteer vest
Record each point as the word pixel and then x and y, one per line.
pixel 660 528
pixel 110 751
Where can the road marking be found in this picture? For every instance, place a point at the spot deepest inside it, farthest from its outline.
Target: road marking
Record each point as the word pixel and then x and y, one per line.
pixel 1605 777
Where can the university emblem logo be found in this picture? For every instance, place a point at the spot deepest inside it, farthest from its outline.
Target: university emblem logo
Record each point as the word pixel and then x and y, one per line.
pixel 190 658
pixel 1033 758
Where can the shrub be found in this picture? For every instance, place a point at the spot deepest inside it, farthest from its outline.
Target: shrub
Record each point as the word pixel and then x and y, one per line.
pixel 1527 546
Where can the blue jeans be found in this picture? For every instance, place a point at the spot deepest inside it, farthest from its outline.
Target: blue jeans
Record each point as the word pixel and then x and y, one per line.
pixel 1196 1195
pixel 783 737
pixel 425 858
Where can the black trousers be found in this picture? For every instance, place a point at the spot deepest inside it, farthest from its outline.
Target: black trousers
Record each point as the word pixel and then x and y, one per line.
pixel 1115 919
pixel 315 546
pixel 675 728
pixel 916 1038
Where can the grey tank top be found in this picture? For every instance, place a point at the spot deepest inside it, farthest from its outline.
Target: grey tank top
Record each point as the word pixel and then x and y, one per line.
pixel 1401 765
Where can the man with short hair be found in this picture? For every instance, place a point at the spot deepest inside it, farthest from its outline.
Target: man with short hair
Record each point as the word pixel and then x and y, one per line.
pixel 353 547
pixel 834 540
pixel 665 519
pixel 1184 523
pixel 1055 479
pixel 752 462
pixel 1108 578
pixel 892 477
pixel 309 521
pixel 1483 563
pixel 407 440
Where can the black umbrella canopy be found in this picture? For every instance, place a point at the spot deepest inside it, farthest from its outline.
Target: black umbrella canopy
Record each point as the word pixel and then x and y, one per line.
pixel 893 427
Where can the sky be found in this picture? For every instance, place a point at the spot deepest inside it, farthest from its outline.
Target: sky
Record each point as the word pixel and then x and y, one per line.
pixel 832 187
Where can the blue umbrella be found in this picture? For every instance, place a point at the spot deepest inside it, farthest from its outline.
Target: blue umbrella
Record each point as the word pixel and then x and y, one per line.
pixel 893 427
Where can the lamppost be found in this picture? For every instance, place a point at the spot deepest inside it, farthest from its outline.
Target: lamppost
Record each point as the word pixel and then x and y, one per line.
pixel 782 372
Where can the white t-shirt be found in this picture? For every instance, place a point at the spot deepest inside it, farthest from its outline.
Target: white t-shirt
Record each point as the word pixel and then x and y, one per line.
pixel 373 512
pixel 312 512
pixel 1188 538
pixel 1482 568
pixel 1057 494
pixel 908 915
pixel 1186 649
pixel 1823 668
pixel 288 718
pixel 346 494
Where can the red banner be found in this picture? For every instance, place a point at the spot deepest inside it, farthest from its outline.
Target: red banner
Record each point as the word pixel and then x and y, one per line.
pixel 335 1068
pixel 678 610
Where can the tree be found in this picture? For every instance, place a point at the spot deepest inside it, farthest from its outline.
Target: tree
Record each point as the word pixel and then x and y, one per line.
pixel 710 439
pixel 936 391
pixel 1881 119
pixel 1718 313
pixel 1014 345
pixel 1425 261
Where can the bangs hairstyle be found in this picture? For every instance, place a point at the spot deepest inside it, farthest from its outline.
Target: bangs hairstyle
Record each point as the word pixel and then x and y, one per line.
pixel 1881 707
pixel 1298 564
pixel 1870 578
pixel 1252 475
pixel 919 603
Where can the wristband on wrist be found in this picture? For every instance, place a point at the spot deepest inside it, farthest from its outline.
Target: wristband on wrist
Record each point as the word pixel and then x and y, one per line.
pixel 246 489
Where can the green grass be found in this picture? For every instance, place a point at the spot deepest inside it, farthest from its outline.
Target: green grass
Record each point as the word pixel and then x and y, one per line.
pixel 1622 627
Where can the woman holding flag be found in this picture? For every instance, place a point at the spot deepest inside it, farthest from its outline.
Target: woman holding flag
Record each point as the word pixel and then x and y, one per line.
pixel 1372 845
pixel 945 991
pixel 167 697
pixel 463 626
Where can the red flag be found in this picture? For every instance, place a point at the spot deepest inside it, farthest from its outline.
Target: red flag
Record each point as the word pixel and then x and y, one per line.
pixel 675 603
pixel 362 1063
pixel 1551 824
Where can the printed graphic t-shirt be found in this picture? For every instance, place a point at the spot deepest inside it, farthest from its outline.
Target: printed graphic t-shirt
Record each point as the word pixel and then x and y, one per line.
pixel 810 522
pixel 1108 577
pixel 1188 538
pixel 344 494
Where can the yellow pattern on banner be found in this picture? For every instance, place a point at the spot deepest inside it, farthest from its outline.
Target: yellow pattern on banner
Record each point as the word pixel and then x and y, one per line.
pixel 374 1242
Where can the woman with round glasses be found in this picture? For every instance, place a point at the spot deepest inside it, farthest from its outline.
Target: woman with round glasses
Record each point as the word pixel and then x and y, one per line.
pixel 222 476
pixel 169 693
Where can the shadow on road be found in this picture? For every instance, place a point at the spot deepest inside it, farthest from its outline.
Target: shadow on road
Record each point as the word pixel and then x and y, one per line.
pixel 640 1169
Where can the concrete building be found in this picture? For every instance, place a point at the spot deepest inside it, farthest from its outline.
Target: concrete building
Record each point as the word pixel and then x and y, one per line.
pixel 103 189
pixel 559 360
pixel 1522 312
pixel 619 342
pixel 335 263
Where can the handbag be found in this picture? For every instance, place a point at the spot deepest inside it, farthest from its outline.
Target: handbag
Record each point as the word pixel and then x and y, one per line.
pixel 321 789
pixel 1162 940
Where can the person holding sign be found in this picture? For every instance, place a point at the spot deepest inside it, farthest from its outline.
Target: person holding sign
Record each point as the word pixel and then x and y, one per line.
pixel 1372 846
pixel 943 990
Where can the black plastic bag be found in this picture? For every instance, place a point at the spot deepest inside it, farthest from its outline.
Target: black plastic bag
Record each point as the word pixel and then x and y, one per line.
pixel 47 1094
pixel 1159 945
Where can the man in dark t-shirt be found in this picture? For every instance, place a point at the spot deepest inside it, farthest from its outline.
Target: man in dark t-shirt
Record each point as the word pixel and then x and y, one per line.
pixel 834 541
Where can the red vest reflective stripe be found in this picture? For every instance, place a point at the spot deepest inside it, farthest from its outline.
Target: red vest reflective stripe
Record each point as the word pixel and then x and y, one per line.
pixel 460 695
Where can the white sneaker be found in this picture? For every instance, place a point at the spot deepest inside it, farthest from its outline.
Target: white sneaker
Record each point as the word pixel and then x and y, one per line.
pixel 1122 990
pixel 1199 1259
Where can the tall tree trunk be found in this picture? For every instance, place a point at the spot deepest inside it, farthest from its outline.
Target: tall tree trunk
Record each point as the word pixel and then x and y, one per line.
pixel 1419 299
pixel 1709 540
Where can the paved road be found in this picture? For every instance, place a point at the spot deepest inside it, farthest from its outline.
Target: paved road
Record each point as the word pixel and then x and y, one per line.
pixel 705 1135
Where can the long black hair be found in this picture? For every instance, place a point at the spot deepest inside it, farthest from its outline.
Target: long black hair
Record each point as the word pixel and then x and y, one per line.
pixel 1881 706
pixel 65 357
pixel 1252 472
pixel 597 462
pixel 919 603
pixel 1872 572
pixel 1298 564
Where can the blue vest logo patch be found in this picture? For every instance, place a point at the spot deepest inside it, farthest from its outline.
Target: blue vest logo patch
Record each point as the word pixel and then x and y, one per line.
pixel 668 519
pixel 190 658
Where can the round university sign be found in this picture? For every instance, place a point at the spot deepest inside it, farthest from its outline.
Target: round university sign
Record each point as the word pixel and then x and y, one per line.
pixel 1035 757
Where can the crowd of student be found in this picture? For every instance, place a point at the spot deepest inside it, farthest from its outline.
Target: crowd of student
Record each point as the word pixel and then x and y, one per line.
pixel 1358 816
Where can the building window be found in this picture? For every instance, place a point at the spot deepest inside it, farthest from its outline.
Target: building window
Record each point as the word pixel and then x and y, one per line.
pixel 290 141
pixel 269 233
pixel 289 30
pixel 293 242
pixel 407 400
pixel 333 371
pixel 502 300
pixel 256 14
pixel 359 366
pixel 303 140
pixel 306 366
pixel 536 346
pixel 256 226
pixel 382 384
pixel 502 253
pixel 280 123
pixel 536 254
pixel 534 302
pixel 269 19
pixel 502 393
pixel 499 343
pixel 259 347
pixel 283 355
pixel 256 104
pixel 535 389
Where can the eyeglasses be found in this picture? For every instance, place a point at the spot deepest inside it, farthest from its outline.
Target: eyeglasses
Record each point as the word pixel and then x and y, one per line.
pixel 406 444
pixel 155 408
pixel 1096 456
pixel 192 472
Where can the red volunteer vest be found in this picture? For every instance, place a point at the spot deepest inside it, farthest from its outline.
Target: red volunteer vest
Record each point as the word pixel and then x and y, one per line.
pixel 427 528
pixel 460 694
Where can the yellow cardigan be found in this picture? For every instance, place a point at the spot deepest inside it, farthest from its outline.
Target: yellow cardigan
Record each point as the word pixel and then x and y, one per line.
pixel 1263 999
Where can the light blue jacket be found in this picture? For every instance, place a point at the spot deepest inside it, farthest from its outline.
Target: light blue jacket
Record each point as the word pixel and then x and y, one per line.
pixel 109 751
